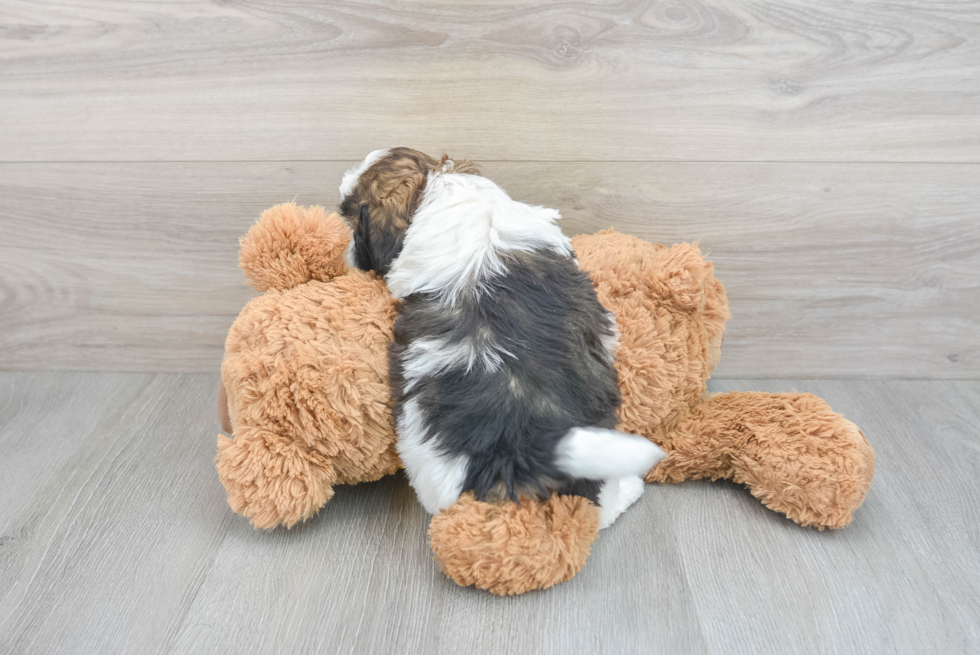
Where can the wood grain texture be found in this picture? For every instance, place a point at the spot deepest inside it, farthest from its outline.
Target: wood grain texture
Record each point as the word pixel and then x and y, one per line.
pixel 799 80
pixel 115 537
pixel 833 270
pixel 101 558
pixel 904 577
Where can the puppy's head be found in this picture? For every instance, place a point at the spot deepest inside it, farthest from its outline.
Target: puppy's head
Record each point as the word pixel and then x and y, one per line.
pixel 379 197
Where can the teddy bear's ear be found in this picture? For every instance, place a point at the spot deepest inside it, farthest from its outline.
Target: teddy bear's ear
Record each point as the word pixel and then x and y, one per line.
pixel 290 245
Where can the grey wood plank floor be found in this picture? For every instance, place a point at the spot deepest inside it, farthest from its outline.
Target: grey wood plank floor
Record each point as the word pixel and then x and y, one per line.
pixel 115 538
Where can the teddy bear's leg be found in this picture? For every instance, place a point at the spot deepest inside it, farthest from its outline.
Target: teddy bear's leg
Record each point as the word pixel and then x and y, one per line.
pixel 273 480
pixel 791 450
pixel 509 548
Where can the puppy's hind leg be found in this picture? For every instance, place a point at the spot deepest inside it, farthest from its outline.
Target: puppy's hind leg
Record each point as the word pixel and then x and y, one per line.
pixel 436 477
pixel 615 458
pixel 616 496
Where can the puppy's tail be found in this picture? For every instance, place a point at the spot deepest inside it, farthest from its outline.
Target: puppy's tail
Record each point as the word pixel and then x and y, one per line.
pixel 600 454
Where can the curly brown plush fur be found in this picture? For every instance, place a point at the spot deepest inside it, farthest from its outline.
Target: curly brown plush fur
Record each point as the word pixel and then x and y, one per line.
pixel 291 245
pixel 790 449
pixel 306 374
pixel 509 548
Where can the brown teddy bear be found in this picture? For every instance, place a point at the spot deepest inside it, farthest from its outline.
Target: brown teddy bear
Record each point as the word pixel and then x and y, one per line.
pixel 305 394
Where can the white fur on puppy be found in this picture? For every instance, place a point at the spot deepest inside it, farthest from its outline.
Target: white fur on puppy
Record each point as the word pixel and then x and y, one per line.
pixel 436 478
pixel 599 454
pixel 459 232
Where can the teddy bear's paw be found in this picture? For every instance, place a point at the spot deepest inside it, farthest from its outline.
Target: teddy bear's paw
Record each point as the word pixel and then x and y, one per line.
pixel 272 480
pixel 512 548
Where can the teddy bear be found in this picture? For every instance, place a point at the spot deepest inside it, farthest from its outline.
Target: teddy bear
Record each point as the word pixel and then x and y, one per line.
pixel 304 392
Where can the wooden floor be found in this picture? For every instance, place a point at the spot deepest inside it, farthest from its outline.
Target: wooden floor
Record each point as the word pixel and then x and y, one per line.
pixel 115 538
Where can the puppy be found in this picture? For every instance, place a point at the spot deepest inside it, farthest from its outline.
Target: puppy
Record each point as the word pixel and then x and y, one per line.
pixel 502 363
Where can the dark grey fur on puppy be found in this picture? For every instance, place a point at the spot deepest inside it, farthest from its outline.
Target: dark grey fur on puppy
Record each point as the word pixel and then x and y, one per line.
pixel 556 375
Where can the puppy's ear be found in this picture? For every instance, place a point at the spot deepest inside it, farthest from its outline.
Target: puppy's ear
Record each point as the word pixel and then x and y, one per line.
pixel 380 205
pixel 396 184
pixel 390 192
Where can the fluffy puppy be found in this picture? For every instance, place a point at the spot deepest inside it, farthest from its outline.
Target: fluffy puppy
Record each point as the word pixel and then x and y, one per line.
pixel 502 363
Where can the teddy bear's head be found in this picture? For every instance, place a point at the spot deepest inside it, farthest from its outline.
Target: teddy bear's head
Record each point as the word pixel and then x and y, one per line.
pixel 305 371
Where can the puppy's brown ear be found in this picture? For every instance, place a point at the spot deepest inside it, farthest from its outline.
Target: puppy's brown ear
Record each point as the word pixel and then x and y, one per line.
pixel 395 185
pixel 389 192
pixel 386 196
